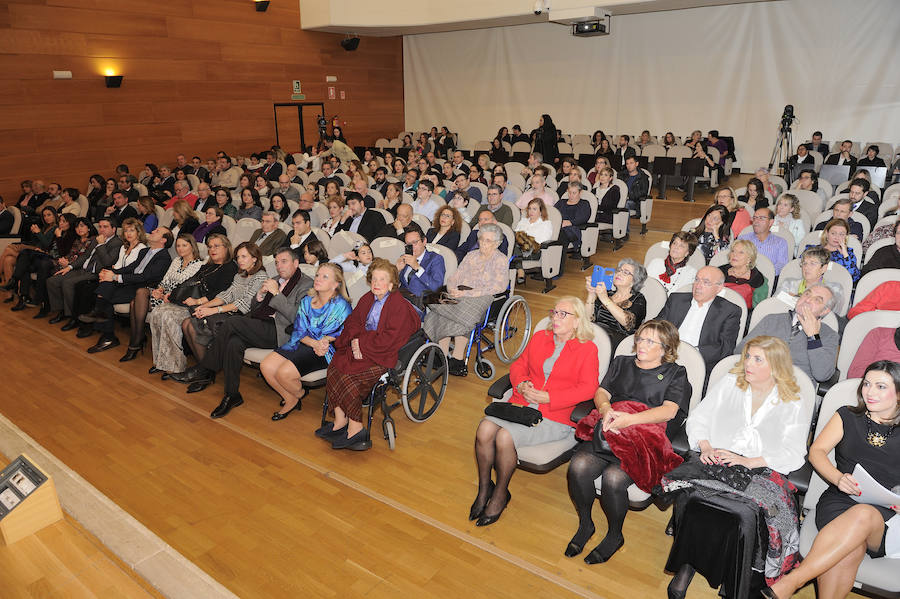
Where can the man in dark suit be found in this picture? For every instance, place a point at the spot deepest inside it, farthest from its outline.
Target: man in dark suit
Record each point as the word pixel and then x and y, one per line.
pixel 817 145
pixel 6 219
pixel 268 237
pixel 381 182
pixel 708 322
pixel 272 170
pixel 83 272
pixel 397 229
pixel 622 153
pixel 517 135
pixel 801 157
pixel 125 184
pixel 421 271
pixel 118 286
pixel 199 170
pixel 813 344
pixel 365 222
pixel 844 157
pixel 267 325
pixel 862 203
pixel 119 210
pixel 485 217
pixel 302 233
pixel 328 175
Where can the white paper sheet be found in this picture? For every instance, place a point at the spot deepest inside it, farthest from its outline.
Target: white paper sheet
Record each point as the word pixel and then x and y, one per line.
pixel 872 491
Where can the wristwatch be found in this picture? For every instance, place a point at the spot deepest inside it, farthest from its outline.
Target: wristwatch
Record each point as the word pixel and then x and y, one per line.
pixel 816 337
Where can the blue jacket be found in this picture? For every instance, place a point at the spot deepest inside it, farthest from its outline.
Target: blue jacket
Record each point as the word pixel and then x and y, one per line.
pixel 430 279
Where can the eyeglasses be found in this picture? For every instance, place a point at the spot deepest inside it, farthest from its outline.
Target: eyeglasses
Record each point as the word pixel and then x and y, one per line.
pixel 559 314
pixel 647 340
pixel 625 272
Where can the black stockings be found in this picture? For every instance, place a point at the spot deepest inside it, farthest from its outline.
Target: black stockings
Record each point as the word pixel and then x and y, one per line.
pixel 190 336
pixel 584 468
pixel 140 306
pixel 494 449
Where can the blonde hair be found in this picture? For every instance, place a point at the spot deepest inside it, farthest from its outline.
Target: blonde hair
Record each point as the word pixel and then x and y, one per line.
pixel 182 209
pixel 779 358
pixel 749 248
pixel 338 273
pixel 584 329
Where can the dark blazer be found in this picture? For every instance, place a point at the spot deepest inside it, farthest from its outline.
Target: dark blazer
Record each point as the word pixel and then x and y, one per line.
pixel 324 181
pixel 369 226
pixel 795 160
pixel 431 280
pixel 118 293
pixel 450 240
pixel 720 330
pixel 821 148
pixel 619 156
pixel 299 248
pixel 272 242
pixel 833 159
pixel 6 222
pixel 102 257
pixel 189 225
pixel 815 358
pixel 118 216
pixel 608 203
pixel 284 304
pixel 640 189
pixel 271 171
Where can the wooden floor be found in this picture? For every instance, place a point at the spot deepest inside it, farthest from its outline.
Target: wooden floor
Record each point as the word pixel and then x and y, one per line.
pixel 269 510
pixel 64 560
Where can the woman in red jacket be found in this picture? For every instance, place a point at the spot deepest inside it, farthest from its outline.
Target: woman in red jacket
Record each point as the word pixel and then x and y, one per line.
pixel 382 322
pixel 558 370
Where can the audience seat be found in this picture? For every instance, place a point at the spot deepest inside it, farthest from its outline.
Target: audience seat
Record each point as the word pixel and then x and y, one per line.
pixel 876 577
pixel 344 241
pixel 243 230
pixel 857 329
pixel 656 297
pixel 552 256
pixel 872 280
pixel 449 258
pixel 389 248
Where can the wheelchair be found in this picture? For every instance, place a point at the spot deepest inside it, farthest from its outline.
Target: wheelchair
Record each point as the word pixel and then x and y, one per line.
pixel 506 329
pixel 420 380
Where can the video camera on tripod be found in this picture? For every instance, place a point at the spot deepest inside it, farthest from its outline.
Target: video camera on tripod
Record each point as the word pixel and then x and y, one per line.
pixel 787 117
pixel 322 123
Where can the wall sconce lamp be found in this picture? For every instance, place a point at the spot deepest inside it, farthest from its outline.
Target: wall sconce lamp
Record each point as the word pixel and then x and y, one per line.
pixel 261 5
pixel 112 80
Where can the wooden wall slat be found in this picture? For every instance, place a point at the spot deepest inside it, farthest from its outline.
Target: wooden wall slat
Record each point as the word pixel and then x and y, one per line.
pixel 200 76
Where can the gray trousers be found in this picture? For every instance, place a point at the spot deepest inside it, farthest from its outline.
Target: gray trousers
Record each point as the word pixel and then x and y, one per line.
pixel 61 290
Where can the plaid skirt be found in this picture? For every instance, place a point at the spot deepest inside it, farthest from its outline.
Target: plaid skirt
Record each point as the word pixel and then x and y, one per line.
pixel 347 391
pixel 450 320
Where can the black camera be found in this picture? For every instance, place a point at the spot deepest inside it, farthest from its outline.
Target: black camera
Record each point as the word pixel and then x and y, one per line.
pixel 323 126
pixel 408 249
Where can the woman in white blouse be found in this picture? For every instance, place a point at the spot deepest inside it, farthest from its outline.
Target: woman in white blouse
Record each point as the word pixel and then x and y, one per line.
pixel 536 225
pixel 673 271
pixel 134 239
pixel 787 217
pixel 751 418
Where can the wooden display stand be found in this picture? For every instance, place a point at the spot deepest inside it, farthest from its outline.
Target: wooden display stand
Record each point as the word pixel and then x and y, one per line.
pixel 36 503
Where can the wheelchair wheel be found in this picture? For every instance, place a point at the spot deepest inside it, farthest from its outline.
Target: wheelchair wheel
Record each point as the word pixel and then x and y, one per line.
pixel 513 329
pixel 484 369
pixel 389 433
pixel 424 382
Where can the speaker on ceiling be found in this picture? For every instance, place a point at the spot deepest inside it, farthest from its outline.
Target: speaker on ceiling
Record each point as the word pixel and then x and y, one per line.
pixel 350 44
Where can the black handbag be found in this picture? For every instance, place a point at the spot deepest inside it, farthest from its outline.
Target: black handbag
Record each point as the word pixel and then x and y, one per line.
pixel 511 412
pixel 193 288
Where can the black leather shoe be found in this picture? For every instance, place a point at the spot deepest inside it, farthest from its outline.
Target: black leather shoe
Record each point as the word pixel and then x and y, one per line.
pixel 228 402
pixel 104 344
pixel 85 330
pixel 344 442
pixel 153 370
pixel 165 376
pixel 92 317
pixel 486 520
pixel 42 313
pixel 70 324
pixel 194 373
pixel 476 510
pixel 282 415
pixel 329 433
pixel 20 305
pixel 57 319
pixel 198 386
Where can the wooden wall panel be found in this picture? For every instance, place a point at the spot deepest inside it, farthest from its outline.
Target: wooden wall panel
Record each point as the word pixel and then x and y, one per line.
pixel 200 76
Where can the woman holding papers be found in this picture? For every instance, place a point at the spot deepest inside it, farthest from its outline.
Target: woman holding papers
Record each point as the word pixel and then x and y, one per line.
pixel 862 435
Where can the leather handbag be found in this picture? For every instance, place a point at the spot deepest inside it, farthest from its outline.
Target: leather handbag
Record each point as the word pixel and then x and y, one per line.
pixel 511 412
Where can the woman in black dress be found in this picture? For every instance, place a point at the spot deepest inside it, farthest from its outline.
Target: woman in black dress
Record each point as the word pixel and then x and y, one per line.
pixel 862 435
pixel 545 142
pixel 638 396
pixel 621 310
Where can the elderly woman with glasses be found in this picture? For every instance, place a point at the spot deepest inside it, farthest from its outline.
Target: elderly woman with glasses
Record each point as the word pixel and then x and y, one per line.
pixel 620 310
pixel 642 400
pixel 557 370
pixel 483 273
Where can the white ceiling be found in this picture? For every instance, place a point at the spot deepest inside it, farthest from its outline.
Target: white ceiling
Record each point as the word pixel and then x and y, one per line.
pixel 407 17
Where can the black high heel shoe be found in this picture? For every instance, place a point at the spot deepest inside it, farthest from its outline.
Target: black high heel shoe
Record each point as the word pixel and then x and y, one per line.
pixel 476 510
pixel 574 548
pixel 486 520
pixel 132 352
pixel 298 406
